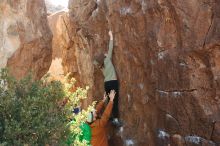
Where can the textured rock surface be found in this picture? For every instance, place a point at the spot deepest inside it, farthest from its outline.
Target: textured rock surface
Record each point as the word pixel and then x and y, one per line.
pixel 59 42
pixel 65 57
pixel 216 132
pixel 25 38
pixel 166 54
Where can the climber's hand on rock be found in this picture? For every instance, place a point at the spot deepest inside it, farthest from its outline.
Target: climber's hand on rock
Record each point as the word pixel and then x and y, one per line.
pixel 112 95
pixel 110 35
pixel 104 97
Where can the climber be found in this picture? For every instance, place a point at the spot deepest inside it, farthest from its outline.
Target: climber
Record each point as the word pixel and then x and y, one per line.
pixel 99 125
pixel 104 62
pixel 85 128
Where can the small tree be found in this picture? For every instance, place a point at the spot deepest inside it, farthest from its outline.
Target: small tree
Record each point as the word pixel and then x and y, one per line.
pixel 37 112
pixel 74 101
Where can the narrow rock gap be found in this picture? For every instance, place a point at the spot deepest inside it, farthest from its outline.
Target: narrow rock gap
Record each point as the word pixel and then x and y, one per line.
pixel 212 19
pixel 92 10
pixel 66 26
pixel 213 128
pixel 177 23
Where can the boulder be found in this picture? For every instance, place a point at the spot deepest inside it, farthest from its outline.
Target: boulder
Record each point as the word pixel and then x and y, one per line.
pixel 166 55
pixel 25 37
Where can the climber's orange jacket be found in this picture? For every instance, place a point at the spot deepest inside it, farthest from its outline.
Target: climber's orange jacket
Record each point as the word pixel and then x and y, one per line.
pixel 99 126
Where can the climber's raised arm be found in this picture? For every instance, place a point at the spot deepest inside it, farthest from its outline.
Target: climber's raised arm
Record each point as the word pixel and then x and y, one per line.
pixel 110 47
pixel 101 104
pixel 105 116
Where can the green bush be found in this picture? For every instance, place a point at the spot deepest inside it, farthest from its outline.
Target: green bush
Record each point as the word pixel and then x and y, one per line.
pixel 37 112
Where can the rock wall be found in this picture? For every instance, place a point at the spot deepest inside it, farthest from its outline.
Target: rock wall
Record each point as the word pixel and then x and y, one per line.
pixel 166 54
pixel 25 38
pixel 65 57
pixel 59 41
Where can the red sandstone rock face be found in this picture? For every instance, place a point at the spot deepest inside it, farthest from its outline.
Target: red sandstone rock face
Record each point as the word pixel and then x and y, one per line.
pixel 65 57
pixel 166 54
pixel 25 38
pixel 59 42
pixel 216 132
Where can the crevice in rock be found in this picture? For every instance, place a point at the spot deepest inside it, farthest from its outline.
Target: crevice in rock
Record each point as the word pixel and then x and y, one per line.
pixel 212 19
pixel 66 28
pixel 177 90
pixel 177 24
pixel 92 10
pixel 213 128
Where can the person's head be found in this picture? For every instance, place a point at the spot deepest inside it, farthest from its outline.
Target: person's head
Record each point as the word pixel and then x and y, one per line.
pixel 92 117
pixel 99 60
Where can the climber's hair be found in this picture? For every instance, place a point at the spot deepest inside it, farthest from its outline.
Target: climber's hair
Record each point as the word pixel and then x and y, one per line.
pixel 100 59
